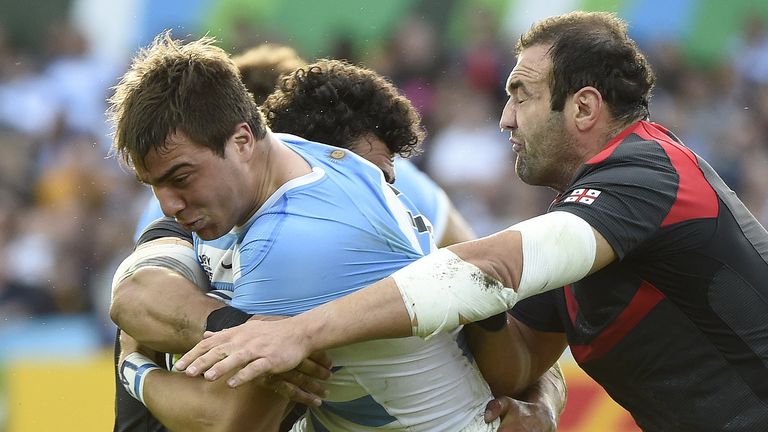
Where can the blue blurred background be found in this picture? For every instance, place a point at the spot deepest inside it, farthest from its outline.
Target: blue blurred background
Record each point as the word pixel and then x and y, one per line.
pixel 67 210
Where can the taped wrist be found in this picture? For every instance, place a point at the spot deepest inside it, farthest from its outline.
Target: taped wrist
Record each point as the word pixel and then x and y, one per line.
pixel 226 317
pixel 441 290
pixel 133 373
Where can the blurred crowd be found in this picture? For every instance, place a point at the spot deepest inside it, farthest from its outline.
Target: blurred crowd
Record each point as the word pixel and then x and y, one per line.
pixel 67 210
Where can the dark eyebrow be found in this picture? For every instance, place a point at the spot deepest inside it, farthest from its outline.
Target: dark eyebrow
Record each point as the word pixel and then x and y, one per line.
pixel 168 174
pixel 514 85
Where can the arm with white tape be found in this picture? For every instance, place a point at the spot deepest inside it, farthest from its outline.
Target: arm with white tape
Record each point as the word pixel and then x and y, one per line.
pixel 475 280
pixel 463 283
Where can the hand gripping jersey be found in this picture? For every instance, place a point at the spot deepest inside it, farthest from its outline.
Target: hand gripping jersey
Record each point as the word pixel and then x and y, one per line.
pixel 327 234
pixel 676 329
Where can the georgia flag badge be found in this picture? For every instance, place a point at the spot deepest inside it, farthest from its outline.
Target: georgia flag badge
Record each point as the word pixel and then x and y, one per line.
pixel 583 196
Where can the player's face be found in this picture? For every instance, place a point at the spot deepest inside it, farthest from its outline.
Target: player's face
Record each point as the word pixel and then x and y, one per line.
pixel 537 133
pixel 206 193
pixel 376 151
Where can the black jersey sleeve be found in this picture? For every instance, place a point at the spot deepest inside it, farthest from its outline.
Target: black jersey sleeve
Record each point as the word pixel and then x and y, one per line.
pixel 626 196
pixel 163 227
pixel 540 312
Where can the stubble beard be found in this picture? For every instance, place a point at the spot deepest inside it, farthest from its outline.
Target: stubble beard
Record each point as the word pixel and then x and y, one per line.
pixel 547 163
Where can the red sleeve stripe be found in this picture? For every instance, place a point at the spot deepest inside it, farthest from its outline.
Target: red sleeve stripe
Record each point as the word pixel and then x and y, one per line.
pixel 645 299
pixel 696 199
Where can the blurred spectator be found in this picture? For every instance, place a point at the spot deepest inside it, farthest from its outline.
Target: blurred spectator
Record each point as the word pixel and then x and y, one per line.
pixel 750 50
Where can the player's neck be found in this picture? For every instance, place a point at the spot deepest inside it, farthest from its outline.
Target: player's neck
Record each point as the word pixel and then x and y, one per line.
pixel 279 165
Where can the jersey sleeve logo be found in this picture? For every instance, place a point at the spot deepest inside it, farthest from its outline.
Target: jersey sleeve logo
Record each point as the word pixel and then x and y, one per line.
pixel 583 196
pixel 337 154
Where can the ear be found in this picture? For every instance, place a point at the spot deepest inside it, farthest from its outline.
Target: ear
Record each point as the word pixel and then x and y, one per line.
pixel 243 140
pixel 587 108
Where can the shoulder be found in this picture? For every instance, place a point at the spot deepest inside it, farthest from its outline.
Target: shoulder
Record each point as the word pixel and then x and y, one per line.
pixel 646 145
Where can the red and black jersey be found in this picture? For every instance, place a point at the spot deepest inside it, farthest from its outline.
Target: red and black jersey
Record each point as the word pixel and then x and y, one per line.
pixel 676 329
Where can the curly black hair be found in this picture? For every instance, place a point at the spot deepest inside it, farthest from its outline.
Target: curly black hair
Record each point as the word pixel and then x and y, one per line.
pixel 335 102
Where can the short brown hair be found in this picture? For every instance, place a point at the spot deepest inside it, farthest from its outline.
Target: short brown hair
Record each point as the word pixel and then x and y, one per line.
pixel 261 67
pixel 594 49
pixel 335 102
pixel 193 87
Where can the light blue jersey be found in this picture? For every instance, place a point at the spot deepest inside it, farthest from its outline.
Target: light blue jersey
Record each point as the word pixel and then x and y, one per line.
pixel 424 193
pixel 327 234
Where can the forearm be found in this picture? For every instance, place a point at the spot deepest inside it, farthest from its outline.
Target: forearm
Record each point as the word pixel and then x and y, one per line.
pixel 189 404
pixel 376 312
pixel 502 358
pixel 498 255
pixel 161 309
pixel 515 358
pixel 487 278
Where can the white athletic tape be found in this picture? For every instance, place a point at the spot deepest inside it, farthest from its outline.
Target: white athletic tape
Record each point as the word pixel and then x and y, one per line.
pixel 171 254
pixel 558 248
pixel 441 289
pixel 134 371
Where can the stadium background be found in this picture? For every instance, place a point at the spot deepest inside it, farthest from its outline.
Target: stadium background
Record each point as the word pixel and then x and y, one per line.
pixel 67 211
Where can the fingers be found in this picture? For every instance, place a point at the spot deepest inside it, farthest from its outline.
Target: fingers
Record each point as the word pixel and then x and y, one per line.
pixel 203 355
pixel 495 408
pixel 216 363
pixel 314 369
pixel 252 370
pixel 322 358
pixel 518 416
pixel 298 387
pixel 296 394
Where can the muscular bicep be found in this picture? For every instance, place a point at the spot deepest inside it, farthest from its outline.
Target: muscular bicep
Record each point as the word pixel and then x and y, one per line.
pixel 604 253
pixel 158 291
pixel 161 309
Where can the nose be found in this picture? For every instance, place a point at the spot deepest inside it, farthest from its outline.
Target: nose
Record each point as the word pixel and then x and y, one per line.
pixel 508 120
pixel 170 202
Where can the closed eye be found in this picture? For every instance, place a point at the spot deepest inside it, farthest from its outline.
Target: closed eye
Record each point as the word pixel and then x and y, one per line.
pixel 181 180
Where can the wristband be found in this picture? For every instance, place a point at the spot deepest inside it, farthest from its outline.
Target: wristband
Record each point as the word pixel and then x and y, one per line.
pixel 134 371
pixel 226 317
